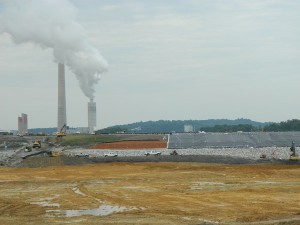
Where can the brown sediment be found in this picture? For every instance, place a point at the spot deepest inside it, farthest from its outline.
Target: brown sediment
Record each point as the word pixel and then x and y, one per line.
pixel 152 193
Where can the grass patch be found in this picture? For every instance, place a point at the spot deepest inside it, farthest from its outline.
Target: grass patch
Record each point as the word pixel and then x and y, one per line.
pixel 83 140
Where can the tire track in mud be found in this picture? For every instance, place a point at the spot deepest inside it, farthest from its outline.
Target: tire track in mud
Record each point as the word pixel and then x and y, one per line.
pixel 286 221
pixel 10 207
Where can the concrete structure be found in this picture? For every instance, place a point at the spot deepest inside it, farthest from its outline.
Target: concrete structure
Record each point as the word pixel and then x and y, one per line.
pixel 188 128
pixel 61 107
pixel 92 122
pixel 23 124
pixel 78 130
pixel 20 125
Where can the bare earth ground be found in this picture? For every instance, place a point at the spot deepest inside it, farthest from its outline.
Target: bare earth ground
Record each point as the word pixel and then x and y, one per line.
pixel 151 193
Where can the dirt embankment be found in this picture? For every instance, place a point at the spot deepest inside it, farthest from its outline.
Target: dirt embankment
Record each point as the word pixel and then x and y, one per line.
pixel 131 145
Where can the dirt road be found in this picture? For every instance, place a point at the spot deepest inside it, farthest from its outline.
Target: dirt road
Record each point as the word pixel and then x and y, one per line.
pixel 151 193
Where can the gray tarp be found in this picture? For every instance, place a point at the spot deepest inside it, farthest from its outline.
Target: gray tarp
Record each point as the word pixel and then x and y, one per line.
pixel 233 140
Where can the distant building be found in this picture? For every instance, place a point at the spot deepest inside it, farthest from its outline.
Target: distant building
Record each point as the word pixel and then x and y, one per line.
pixel 188 128
pixel 23 124
pixel 78 130
pixel 20 125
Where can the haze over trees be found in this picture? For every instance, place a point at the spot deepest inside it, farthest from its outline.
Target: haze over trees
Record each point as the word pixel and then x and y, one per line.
pixel 166 126
pixel 289 125
pixel 213 125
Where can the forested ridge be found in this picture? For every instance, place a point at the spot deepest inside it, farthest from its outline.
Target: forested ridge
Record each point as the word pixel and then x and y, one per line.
pixel 213 125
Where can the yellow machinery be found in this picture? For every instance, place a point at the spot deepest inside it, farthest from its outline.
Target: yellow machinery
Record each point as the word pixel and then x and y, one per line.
pixel 54 154
pixel 61 133
pixel 294 158
pixel 36 144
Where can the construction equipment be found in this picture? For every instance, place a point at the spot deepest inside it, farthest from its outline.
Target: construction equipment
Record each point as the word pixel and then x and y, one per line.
pixel 61 133
pixel 293 156
pixel 34 154
pixel 152 153
pixel 54 153
pixel 263 156
pixel 110 154
pixel 174 153
pixel 36 144
pixel 28 148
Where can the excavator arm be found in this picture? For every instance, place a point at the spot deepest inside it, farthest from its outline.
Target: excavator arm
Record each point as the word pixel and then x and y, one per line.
pixel 61 133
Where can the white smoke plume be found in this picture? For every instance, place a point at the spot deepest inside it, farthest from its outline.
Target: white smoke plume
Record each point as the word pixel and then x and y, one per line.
pixel 52 24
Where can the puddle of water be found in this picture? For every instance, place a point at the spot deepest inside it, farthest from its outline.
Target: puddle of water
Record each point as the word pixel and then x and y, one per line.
pixel 265 182
pixel 209 221
pixel 208 183
pixel 102 210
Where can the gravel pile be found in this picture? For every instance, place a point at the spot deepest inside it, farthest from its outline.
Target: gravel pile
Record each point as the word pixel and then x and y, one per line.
pixel 8 158
pixel 279 153
pixel 205 155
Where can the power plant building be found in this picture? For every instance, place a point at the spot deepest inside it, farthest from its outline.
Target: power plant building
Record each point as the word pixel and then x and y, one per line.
pixel 23 124
pixel 188 128
pixel 92 122
pixel 61 107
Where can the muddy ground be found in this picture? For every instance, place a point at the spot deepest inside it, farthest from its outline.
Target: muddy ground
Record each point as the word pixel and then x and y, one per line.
pixel 153 190
pixel 150 193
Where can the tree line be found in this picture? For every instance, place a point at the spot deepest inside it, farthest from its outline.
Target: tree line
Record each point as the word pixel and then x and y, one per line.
pixel 222 125
pixel 289 125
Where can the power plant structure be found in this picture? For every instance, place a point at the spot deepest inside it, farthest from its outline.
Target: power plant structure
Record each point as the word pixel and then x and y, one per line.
pixel 61 106
pixel 23 124
pixel 188 128
pixel 92 122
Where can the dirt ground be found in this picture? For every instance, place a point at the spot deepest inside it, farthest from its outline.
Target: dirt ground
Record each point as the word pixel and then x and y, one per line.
pixel 151 193
pixel 131 145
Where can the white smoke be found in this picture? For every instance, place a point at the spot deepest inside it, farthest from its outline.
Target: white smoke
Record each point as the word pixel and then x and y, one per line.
pixel 51 24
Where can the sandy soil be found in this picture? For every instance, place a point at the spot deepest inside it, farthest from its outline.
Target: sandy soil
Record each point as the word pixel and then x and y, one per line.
pixel 131 145
pixel 151 193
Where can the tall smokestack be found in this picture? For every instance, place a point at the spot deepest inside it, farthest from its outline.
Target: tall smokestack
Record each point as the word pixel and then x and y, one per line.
pixel 25 123
pixel 92 122
pixel 58 30
pixel 61 107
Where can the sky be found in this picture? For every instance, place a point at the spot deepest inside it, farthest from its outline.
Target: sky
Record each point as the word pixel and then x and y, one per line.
pixel 162 60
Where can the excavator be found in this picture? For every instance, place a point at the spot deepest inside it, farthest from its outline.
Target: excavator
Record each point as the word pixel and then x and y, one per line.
pixel 36 144
pixel 53 153
pixel 60 133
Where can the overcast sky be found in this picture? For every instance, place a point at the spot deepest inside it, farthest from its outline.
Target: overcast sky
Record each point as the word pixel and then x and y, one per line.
pixel 170 60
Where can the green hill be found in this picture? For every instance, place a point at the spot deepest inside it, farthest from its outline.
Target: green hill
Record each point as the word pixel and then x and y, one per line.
pixel 167 126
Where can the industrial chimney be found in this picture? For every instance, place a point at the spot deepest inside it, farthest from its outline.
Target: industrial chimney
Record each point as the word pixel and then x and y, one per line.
pixel 61 107
pixel 92 122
